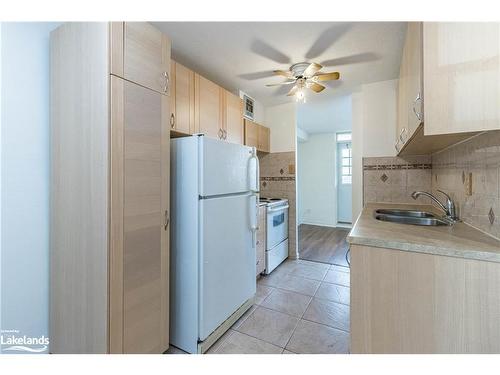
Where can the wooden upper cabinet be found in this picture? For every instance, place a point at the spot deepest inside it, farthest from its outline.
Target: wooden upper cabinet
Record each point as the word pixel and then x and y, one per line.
pixel 257 136
pixel 410 93
pixel 208 107
pixel 233 118
pixel 461 77
pixel 251 133
pixel 264 143
pixel 141 54
pixel 415 94
pixel 182 99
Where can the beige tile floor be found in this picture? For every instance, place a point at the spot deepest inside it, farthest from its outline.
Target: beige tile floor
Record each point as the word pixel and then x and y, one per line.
pixel 302 307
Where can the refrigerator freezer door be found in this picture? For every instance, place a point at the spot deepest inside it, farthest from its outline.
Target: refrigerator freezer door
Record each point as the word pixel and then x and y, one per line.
pixel 226 168
pixel 227 259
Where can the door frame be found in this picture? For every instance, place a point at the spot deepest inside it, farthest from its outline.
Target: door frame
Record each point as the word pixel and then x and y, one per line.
pixel 340 224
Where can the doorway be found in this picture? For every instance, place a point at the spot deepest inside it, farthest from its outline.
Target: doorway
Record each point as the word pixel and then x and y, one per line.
pixel 344 179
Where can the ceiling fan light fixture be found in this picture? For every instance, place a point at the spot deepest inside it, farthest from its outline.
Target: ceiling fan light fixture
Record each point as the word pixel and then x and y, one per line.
pixel 300 96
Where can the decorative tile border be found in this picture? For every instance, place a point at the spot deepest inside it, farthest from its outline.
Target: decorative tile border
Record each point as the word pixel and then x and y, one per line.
pixel 385 167
pixel 290 178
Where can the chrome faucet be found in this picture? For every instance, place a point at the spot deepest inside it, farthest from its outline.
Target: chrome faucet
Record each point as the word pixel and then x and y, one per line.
pixel 449 208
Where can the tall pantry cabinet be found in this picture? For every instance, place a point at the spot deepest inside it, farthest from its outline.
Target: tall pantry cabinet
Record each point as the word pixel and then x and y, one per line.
pixel 109 242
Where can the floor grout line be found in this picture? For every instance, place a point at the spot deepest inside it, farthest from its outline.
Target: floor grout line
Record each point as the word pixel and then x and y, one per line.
pixel 326 325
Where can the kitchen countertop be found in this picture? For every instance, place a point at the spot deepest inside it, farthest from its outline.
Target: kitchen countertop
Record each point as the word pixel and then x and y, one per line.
pixel 459 240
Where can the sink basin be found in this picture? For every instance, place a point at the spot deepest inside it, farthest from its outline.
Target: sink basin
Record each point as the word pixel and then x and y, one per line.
pixel 411 213
pixel 411 217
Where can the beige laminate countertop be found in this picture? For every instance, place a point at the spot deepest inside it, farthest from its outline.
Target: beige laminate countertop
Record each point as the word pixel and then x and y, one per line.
pixel 459 240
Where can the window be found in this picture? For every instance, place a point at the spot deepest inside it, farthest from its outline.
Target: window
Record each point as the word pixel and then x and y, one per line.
pixel 346 171
pixel 344 137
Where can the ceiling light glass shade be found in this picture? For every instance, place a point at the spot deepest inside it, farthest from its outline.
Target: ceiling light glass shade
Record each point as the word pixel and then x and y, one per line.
pixel 300 96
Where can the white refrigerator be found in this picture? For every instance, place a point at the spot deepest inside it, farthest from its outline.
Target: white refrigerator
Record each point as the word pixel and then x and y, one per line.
pixel 214 198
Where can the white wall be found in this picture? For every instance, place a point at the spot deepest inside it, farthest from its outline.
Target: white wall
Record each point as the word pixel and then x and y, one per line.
pixel 357 154
pixel 25 176
pixel 317 195
pixel 374 117
pixel 379 118
pixel 282 120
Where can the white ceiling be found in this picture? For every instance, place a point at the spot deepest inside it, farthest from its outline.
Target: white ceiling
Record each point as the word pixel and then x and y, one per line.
pixel 242 55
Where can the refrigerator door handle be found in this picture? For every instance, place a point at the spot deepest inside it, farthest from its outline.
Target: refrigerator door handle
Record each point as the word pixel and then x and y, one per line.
pixel 254 220
pixel 256 184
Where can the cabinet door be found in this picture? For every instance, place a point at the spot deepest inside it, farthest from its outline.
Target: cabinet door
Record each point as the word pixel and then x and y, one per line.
pixel 251 134
pixel 461 77
pixel 182 99
pixel 264 139
pixel 414 93
pixel 139 261
pixel 146 56
pixel 402 116
pixel 208 107
pixel 233 121
pixel 261 242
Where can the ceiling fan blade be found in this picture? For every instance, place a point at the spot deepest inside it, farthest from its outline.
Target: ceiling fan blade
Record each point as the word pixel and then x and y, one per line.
pixel 316 87
pixel 281 83
pixel 327 76
pixel 311 70
pixel 285 73
pixel 292 91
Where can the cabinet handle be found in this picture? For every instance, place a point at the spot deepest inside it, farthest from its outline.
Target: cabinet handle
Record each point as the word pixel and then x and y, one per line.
pixel 418 114
pixel 172 120
pixel 396 146
pixel 167 81
pixel 403 131
pixel 167 220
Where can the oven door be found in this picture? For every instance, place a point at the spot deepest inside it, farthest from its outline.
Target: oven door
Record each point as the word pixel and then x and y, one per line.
pixel 277 226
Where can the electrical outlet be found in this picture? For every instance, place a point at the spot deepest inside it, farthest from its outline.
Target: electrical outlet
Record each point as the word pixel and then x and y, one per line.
pixel 291 168
pixel 467 179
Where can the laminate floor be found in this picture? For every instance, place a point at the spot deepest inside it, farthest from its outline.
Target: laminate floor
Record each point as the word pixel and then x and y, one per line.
pixel 323 244
pixel 300 308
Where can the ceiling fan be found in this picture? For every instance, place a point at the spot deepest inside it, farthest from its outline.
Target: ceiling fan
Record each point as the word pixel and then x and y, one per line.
pixel 304 75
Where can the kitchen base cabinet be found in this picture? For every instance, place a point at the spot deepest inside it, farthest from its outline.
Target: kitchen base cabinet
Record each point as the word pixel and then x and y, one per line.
pixel 408 302
pixel 109 242
pixel 261 241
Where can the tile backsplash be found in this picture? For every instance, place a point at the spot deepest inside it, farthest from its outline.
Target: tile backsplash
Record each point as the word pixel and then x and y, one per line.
pixel 469 172
pixel 277 180
pixel 393 179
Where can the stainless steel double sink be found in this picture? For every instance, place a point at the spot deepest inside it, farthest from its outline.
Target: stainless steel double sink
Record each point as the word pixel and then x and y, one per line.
pixel 413 217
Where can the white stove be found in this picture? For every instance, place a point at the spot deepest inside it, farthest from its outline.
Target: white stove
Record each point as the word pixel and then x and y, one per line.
pixel 277 232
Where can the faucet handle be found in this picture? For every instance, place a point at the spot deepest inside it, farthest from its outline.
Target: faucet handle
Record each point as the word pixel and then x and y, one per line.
pixel 451 205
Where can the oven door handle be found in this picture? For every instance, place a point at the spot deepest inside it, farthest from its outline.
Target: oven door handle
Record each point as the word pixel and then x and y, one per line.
pixel 278 208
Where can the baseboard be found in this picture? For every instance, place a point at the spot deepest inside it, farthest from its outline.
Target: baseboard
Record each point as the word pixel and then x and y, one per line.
pixel 318 224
